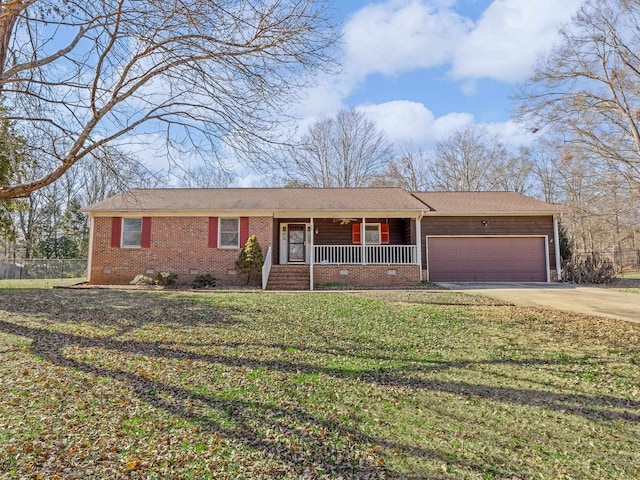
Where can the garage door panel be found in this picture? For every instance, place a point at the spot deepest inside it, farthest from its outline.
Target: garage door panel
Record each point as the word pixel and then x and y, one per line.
pixel 488 259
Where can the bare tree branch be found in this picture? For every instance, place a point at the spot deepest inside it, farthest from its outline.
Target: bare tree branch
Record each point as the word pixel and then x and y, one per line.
pixel 588 89
pixel 212 75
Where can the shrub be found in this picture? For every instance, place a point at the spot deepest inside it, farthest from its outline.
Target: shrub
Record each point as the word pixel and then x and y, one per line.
pixel 141 280
pixel 590 268
pixel 165 279
pixel 205 280
pixel 250 261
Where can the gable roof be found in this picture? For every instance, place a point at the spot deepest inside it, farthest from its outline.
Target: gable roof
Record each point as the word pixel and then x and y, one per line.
pixel 471 203
pixel 259 199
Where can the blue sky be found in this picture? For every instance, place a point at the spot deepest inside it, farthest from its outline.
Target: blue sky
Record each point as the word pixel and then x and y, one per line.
pixel 423 68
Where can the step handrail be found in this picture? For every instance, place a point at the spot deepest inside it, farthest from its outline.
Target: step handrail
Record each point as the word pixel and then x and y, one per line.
pixel 266 269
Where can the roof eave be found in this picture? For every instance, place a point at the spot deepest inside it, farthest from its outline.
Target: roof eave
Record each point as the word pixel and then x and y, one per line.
pixel 492 213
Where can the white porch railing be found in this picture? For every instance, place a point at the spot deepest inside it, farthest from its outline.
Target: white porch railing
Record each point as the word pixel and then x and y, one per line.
pixel 266 269
pixel 373 254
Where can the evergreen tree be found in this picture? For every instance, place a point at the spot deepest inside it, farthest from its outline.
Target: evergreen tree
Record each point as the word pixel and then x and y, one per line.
pixel 250 261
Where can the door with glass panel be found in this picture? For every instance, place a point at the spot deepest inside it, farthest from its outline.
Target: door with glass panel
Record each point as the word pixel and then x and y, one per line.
pixel 296 243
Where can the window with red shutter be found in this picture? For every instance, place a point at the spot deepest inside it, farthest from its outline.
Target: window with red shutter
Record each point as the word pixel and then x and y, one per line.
pixel 384 233
pixel 355 233
pixel 229 233
pixel 132 232
pixel 213 232
pixel 116 231
pixel 145 238
pixel 244 231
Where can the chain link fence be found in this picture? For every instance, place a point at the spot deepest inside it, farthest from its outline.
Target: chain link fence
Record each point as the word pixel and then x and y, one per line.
pixel 42 268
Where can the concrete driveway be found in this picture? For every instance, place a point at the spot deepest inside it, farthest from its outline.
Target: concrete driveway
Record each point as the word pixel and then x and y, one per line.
pixel 561 296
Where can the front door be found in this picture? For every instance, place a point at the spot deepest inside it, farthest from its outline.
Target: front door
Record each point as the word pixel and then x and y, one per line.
pixel 296 243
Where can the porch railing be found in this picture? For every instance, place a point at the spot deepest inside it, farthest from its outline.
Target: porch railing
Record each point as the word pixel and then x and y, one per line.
pixel 373 254
pixel 266 269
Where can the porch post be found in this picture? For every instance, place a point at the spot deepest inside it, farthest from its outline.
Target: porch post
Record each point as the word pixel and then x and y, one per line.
pixel 312 258
pixel 419 243
pixel 363 230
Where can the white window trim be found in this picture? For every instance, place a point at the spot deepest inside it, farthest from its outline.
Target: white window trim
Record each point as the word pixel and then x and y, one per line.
pixel 364 233
pixel 227 247
pixel 122 231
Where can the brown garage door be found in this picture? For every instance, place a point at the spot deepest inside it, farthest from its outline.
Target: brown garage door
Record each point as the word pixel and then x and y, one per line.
pixel 487 259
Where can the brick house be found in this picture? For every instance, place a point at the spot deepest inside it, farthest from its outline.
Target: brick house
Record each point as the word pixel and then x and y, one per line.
pixel 360 237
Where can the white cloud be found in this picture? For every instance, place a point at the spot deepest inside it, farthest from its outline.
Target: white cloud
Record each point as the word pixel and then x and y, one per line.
pixel 512 133
pixel 400 36
pixel 509 38
pixel 447 124
pixel 413 123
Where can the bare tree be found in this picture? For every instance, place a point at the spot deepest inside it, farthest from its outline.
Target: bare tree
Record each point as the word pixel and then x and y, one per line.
pixel 467 161
pixel 205 176
pixel 347 150
pixel 410 171
pixel 77 76
pixel 545 171
pixel 515 172
pixel 588 89
pixel 44 214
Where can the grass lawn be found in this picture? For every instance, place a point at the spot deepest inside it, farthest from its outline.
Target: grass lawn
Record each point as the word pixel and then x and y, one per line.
pixel 630 282
pixel 139 384
pixel 39 283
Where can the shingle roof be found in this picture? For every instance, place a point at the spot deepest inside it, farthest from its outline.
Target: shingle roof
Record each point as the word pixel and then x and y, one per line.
pixel 484 202
pixel 320 199
pixel 289 199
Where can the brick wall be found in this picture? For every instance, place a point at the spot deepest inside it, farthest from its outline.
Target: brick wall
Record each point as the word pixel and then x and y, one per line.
pixel 376 276
pixel 178 245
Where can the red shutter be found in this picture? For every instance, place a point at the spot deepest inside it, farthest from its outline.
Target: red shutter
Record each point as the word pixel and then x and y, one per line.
pixel 116 231
pixel 244 230
pixel 384 233
pixel 145 241
pixel 355 233
pixel 213 232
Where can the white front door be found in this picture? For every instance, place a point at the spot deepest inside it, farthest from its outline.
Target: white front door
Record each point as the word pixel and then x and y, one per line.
pixel 294 243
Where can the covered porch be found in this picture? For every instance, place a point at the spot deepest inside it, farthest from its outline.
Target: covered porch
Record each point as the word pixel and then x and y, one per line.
pixel 363 245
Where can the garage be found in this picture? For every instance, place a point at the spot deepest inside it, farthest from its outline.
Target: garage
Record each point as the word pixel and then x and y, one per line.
pixel 487 259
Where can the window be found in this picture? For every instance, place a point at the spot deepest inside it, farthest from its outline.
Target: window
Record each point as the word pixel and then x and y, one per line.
pixel 372 234
pixel 229 233
pixel 131 232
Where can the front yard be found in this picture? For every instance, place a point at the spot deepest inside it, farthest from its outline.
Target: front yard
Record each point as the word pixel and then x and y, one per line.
pixel 422 384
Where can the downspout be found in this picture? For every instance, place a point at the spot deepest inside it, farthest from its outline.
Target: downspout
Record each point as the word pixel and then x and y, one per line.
pixel 419 241
pixel 556 237
pixel 90 250
pixel 311 255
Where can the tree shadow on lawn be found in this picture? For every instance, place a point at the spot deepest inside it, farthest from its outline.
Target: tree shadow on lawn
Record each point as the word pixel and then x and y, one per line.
pixel 136 309
pixel 250 419
pixel 578 404
pixel 121 310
